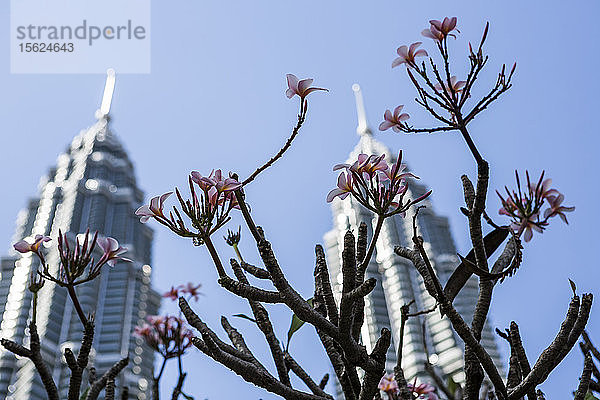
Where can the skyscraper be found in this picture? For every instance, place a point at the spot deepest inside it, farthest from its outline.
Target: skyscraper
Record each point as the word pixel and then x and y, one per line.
pixel 398 281
pixel 92 185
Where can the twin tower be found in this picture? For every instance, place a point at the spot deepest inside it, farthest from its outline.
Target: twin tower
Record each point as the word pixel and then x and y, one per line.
pixel 92 185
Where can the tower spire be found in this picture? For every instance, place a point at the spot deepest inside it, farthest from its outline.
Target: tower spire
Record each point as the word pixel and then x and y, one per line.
pixel 363 126
pixel 109 89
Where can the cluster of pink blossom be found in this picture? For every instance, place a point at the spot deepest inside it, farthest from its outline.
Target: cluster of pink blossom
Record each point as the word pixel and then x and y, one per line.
pixel 524 206
pixel 438 31
pixel 447 91
pixel 216 188
pixel 167 335
pixel 375 184
pixel 389 386
pixel 188 290
pixel 207 211
pixel 74 261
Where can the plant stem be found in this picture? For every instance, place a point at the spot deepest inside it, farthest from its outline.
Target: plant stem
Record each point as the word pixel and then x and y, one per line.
pixel 215 257
pixel 34 311
pixel 156 380
pixel 237 252
pixel 470 143
pixel 288 143
pixel 246 215
pixel 78 308
pixel 378 226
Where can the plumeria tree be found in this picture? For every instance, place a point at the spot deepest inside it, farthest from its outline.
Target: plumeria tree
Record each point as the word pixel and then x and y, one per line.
pixel 381 187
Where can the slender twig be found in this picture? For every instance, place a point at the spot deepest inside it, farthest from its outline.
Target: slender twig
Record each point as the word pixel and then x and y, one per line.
pixel 590 346
pixel 156 380
pixel 77 305
pixel 246 214
pixel 286 146
pixel 215 257
pixel 365 262
pixel 300 373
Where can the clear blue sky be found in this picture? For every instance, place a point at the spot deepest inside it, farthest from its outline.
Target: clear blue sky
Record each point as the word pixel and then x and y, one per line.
pixel 215 99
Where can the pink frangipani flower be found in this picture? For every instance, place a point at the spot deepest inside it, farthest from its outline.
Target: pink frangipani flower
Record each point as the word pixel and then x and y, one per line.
pixel 407 55
pixel 361 161
pixel 375 185
pixel 344 187
pixel 112 251
pixel 394 120
pixel 524 206
pixel 167 335
pixel 388 384
pixel 397 170
pixel 299 88
pixel 200 180
pixel 228 185
pixel 423 391
pixel 23 247
pixel 172 294
pixel 216 180
pixel 191 290
pixel 556 208
pixel 374 164
pixel 439 30
pixel 365 166
pixel 542 189
pixel 154 209
pixel 457 86
pixel 526 227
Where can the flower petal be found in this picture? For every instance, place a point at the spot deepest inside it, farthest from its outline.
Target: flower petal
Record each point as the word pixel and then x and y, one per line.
pixel 292 82
pixel 334 193
pixel 385 125
pixel 22 246
pixel 387 115
pixel 398 61
pixel 303 85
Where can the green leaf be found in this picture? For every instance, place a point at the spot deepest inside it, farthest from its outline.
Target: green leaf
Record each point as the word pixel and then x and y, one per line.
pixel 589 395
pixel 462 273
pixel 245 317
pixel 295 325
pixel 573 287
pixel 452 385
pixel 84 394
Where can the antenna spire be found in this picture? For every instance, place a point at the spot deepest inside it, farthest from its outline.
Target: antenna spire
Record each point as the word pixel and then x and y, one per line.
pixel 363 126
pixel 109 89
